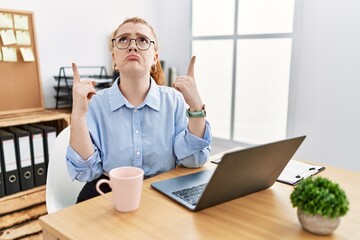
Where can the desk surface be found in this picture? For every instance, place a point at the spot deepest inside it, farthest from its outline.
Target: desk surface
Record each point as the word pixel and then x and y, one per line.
pixel 267 214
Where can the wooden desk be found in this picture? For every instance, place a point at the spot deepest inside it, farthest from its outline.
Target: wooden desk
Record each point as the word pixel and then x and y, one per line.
pixel 267 214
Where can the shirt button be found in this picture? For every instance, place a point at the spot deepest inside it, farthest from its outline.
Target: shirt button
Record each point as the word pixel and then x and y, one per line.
pixel 135 109
pixel 138 153
pixel 137 131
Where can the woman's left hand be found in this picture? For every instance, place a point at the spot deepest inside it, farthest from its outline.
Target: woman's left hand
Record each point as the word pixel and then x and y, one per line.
pixel 187 86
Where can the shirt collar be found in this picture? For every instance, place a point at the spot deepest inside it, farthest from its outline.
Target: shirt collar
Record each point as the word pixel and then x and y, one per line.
pixel 117 99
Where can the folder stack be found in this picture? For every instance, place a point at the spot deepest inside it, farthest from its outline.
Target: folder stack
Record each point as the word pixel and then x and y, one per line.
pixel 23 157
pixel 9 163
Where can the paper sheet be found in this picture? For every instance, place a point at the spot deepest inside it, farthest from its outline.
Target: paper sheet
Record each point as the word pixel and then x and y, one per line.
pixel 295 171
pixel 23 37
pixel 6 20
pixel 27 54
pixel 21 22
pixel 9 54
pixel 8 37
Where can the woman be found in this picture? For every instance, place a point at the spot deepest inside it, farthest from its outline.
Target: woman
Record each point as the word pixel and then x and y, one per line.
pixel 135 122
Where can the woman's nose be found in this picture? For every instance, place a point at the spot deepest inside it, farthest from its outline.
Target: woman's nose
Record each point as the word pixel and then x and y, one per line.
pixel 132 46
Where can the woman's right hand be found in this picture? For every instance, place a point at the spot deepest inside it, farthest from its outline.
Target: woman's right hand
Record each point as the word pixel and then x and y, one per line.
pixel 82 92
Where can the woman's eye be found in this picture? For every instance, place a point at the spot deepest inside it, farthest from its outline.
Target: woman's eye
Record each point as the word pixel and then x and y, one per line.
pixel 122 40
pixel 143 40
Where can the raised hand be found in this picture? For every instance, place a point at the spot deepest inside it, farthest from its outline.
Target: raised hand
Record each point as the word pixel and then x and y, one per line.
pixel 83 90
pixel 187 86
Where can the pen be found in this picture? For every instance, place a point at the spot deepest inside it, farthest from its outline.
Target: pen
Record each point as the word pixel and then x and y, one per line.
pixel 306 175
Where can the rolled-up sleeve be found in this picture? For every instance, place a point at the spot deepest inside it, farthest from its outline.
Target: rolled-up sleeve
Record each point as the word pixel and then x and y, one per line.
pixel 80 169
pixel 192 151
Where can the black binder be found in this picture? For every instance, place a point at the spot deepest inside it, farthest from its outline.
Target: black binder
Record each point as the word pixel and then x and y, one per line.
pixel 9 164
pixel 37 154
pixel 49 134
pixel 23 157
pixel 2 183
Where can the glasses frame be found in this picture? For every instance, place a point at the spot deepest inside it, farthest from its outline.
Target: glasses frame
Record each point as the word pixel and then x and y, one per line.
pixel 136 42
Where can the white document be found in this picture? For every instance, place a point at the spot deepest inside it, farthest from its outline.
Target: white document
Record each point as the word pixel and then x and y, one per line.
pixel 25 154
pixel 23 37
pixel 21 22
pixel 9 155
pixel 296 171
pixel 27 54
pixel 6 20
pixel 8 37
pixel 9 54
pixel 38 146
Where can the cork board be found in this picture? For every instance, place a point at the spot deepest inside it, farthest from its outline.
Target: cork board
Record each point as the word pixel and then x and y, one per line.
pixel 20 83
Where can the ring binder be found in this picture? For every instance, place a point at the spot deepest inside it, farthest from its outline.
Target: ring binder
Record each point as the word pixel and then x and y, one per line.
pixel 23 157
pixel 9 163
pixel 2 183
pixel 37 154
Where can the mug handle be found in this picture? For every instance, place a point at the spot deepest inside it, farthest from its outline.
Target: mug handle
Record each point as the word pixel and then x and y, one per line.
pixel 101 181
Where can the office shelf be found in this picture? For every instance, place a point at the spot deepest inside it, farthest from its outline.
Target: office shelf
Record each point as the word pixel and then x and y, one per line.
pixel 19 212
pixel 65 79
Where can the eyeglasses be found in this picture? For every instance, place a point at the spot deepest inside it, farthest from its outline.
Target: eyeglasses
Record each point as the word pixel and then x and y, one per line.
pixel 142 43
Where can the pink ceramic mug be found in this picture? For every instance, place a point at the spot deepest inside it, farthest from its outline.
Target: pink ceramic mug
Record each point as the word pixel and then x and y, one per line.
pixel 126 185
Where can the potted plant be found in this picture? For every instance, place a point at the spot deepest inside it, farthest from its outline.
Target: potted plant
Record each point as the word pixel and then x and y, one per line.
pixel 320 204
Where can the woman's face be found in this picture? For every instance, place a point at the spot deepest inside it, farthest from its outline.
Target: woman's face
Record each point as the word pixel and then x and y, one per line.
pixel 133 60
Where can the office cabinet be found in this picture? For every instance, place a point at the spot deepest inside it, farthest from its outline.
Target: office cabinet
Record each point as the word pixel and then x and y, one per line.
pixel 19 212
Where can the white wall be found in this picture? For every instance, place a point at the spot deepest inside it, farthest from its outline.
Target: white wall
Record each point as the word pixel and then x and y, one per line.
pixel 325 85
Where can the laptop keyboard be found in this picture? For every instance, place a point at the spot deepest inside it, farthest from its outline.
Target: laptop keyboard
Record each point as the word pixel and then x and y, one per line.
pixel 192 194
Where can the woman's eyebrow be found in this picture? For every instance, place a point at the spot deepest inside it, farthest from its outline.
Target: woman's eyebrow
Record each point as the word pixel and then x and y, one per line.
pixel 141 35
pixel 126 34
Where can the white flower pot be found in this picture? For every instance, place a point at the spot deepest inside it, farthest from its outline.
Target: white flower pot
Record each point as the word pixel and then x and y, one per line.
pixel 317 224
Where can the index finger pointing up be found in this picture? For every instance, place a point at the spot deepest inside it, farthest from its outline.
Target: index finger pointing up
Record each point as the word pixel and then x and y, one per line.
pixel 76 73
pixel 191 67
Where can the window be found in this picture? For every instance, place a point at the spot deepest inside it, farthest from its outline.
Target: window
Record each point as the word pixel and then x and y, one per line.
pixel 243 53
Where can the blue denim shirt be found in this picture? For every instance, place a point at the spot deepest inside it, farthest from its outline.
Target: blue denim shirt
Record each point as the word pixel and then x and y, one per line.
pixel 153 136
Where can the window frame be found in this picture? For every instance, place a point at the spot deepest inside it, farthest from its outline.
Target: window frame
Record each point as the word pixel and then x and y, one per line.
pixel 235 37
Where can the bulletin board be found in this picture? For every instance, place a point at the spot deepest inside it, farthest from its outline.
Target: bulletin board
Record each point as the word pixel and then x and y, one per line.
pixel 20 83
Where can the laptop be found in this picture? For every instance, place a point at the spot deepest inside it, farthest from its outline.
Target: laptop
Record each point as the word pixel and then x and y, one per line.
pixel 239 173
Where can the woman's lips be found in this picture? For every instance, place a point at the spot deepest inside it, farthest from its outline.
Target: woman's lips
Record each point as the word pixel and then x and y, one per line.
pixel 132 57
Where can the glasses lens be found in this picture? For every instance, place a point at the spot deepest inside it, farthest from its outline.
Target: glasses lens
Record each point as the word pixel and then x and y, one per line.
pixel 143 43
pixel 122 42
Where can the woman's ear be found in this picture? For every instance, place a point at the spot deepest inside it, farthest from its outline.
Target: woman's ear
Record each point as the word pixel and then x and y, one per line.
pixel 114 62
pixel 156 58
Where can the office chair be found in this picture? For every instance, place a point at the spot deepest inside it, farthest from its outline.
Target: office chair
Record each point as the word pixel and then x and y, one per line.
pixel 61 191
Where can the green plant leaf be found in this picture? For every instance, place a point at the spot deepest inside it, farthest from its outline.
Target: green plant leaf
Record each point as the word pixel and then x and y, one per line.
pixel 320 196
